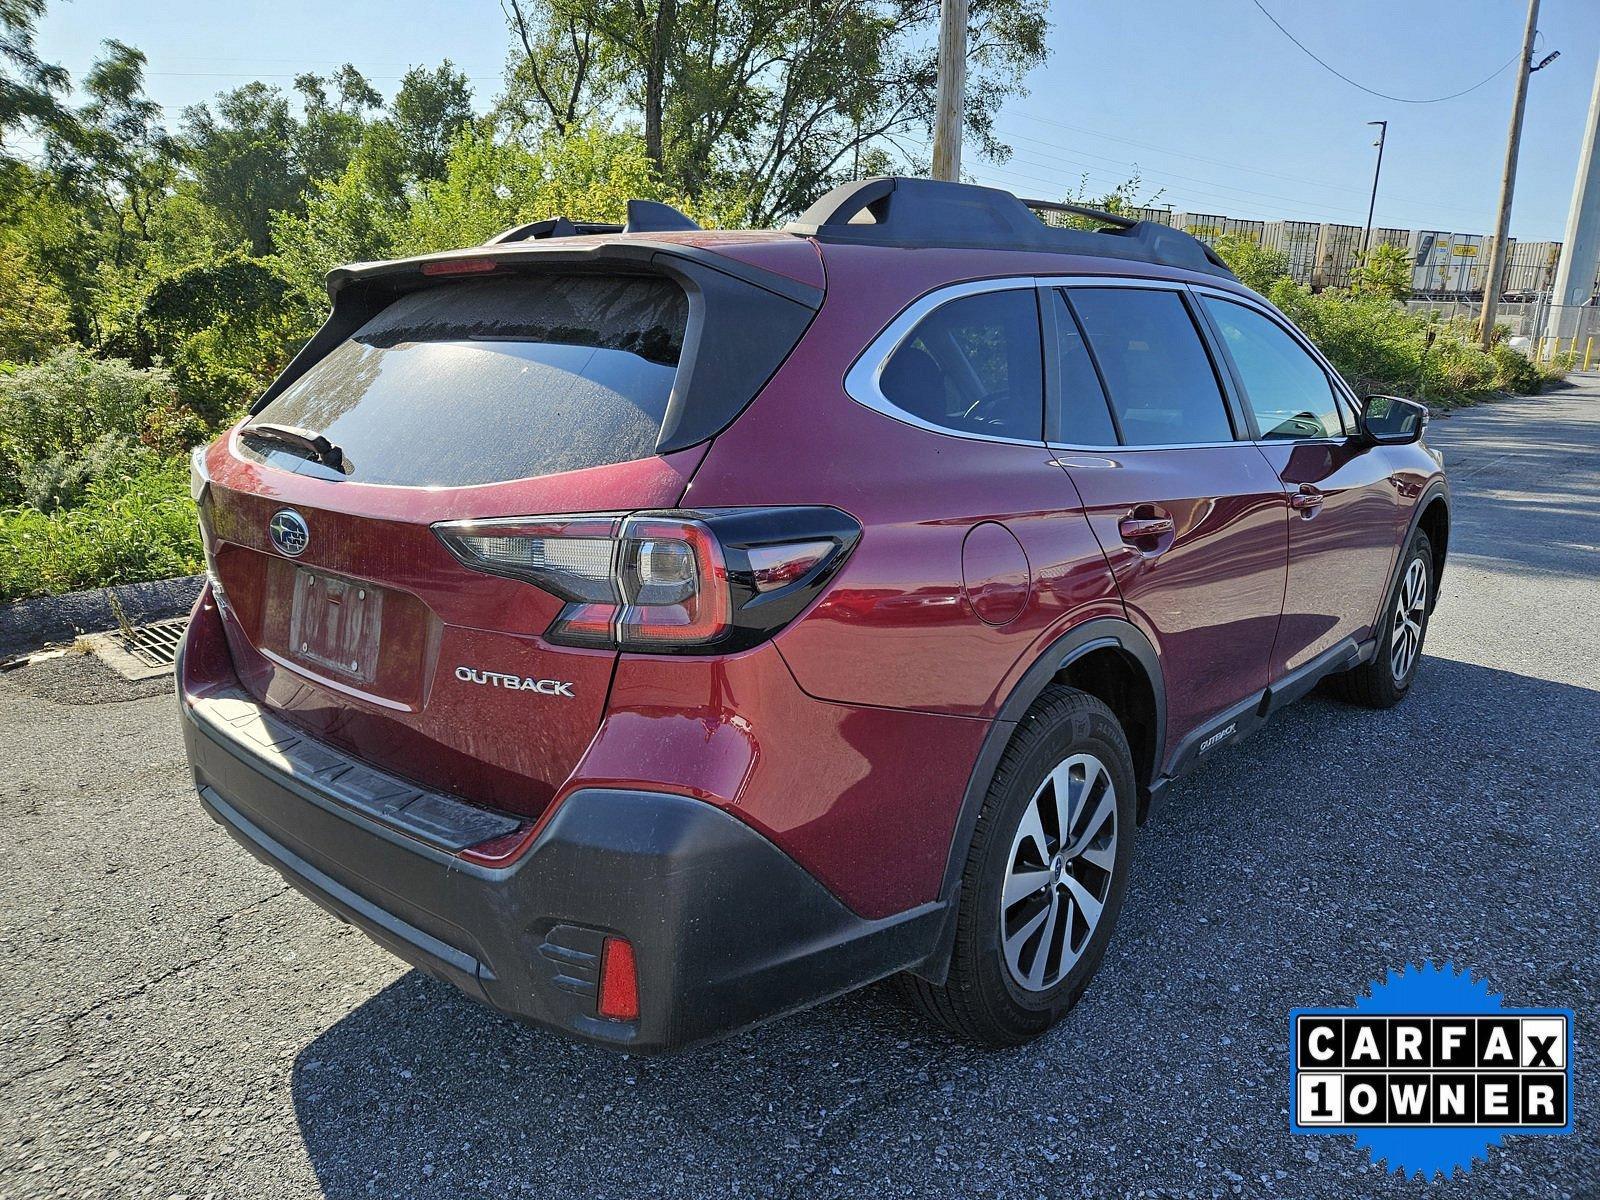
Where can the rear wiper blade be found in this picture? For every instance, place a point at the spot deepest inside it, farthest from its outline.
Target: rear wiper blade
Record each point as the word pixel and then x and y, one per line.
pixel 313 445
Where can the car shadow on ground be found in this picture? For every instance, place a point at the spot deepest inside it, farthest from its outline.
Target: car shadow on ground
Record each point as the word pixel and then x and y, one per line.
pixel 1240 909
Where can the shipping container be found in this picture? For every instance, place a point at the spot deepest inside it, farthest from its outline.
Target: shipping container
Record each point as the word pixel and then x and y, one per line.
pixel 1469 255
pixel 1296 241
pixel 1430 261
pixel 1210 227
pixel 1338 247
pixel 1382 235
pixel 1531 268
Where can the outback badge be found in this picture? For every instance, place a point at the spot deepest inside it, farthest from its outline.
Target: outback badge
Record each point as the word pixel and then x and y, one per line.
pixel 517 683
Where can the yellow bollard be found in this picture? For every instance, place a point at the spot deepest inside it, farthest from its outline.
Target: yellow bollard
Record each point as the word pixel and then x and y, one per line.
pixel 1588 353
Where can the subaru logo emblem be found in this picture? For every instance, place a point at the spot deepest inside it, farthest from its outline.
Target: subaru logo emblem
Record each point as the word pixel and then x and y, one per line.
pixel 289 532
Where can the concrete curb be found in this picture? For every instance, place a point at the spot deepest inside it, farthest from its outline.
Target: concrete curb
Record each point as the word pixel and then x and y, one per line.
pixel 29 624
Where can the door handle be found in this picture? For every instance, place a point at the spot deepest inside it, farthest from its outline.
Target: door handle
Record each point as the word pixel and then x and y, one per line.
pixel 1143 529
pixel 1307 500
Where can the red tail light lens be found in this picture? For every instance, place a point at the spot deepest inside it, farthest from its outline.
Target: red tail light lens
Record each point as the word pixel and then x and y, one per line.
pixel 619 981
pixel 669 582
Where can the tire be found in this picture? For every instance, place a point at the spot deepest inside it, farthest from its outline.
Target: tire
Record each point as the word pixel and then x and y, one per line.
pixel 1383 683
pixel 995 999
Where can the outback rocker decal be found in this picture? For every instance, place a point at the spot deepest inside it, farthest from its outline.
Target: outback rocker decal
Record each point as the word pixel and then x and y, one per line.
pixel 516 683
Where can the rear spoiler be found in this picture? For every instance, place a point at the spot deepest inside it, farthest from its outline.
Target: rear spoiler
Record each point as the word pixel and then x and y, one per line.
pixel 757 315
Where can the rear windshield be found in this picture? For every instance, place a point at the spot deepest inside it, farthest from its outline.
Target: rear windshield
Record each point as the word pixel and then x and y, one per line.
pixel 487 381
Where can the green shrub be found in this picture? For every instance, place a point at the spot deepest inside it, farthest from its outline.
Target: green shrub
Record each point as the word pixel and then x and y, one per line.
pixel 1257 266
pixel 1380 346
pixel 63 479
pixel 1385 270
pixel 56 410
pixel 128 529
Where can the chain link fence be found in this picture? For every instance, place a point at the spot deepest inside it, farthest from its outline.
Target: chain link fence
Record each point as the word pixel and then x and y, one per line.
pixel 1569 334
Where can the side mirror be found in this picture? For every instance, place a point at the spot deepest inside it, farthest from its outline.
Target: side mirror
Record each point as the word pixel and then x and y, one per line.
pixel 1392 420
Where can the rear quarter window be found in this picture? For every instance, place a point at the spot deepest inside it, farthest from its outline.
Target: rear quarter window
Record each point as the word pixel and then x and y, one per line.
pixel 481 382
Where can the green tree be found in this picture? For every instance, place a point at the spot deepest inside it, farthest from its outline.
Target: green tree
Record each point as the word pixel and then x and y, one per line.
pixel 777 99
pixel 493 183
pixel 35 318
pixel 430 110
pixel 242 157
pixel 30 88
pixel 327 135
pixel 116 159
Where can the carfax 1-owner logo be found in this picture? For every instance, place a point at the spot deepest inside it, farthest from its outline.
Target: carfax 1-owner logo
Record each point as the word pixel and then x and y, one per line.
pixel 1429 1070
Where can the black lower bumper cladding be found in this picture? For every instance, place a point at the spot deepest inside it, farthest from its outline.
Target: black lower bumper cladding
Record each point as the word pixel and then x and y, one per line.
pixel 727 929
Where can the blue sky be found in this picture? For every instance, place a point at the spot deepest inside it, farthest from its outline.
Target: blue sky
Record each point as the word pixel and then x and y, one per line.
pixel 1215 107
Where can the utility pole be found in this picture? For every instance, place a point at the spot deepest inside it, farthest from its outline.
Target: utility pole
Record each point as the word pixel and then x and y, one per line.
pixel 1580 250
pixel 1372 205
pixel 1508 181
pixel 949 113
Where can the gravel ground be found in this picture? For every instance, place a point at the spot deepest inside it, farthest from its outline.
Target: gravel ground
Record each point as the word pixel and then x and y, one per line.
pixel 175 1022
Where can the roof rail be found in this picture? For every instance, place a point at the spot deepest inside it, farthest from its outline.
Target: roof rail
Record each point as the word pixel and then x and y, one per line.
pixel 903 211
pixel 1117 220
pixel 644 216
pixel 551 227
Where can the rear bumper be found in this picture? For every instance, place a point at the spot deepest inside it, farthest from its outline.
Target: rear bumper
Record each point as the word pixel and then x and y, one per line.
pixel 727 930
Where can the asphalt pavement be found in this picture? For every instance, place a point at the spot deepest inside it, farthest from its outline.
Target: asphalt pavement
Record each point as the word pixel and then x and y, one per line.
pixel 175 1022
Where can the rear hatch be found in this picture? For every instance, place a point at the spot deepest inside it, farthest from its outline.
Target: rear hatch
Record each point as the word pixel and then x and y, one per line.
pixel 469 389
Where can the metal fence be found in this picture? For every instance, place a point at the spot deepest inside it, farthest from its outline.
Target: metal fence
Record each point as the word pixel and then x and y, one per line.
pixel 1570 333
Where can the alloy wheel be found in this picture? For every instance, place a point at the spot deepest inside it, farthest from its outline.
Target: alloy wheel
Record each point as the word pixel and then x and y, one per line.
pixel 1058 876
pixel 1411 609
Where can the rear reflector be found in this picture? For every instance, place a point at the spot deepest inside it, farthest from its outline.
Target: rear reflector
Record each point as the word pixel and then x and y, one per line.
pixel 619 981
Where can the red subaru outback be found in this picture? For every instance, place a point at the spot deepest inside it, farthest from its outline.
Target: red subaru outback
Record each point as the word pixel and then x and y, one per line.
pixel 651 631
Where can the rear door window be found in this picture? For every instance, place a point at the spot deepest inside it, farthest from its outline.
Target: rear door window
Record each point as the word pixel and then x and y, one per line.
pixel 488 381
pixel 974 365
pixel 1159 376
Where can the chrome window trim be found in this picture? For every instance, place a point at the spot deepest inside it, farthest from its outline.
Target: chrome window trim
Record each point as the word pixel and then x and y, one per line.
pixel 861 380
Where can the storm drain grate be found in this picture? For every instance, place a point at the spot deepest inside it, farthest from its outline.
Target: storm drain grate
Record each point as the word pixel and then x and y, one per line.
pixel 155 644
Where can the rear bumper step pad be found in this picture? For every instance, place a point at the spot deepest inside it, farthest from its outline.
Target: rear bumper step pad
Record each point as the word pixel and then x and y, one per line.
pixel 450 824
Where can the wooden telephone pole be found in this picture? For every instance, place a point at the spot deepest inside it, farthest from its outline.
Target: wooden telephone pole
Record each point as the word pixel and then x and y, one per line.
pixel 949 112
pixel 1508 182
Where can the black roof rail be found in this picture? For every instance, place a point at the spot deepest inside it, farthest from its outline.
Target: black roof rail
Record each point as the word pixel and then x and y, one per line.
pixel 904 211
pixel 551 227
pixel 644 216
pixel 1117 220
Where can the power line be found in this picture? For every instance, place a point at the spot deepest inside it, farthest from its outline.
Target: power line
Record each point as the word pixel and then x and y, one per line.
pixel 1217 162
pixel 1209 187
pixel 1326 66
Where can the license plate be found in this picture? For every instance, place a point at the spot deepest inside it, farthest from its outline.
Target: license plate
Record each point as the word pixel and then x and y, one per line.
pixel 335 624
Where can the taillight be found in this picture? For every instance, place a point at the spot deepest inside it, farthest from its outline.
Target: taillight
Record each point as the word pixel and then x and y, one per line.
pixel 705 581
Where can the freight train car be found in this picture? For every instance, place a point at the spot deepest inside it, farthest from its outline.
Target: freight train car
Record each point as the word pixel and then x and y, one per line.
pixel 1296 241
pixel 1211 228
pixel 1338 247
pixel 1530 268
